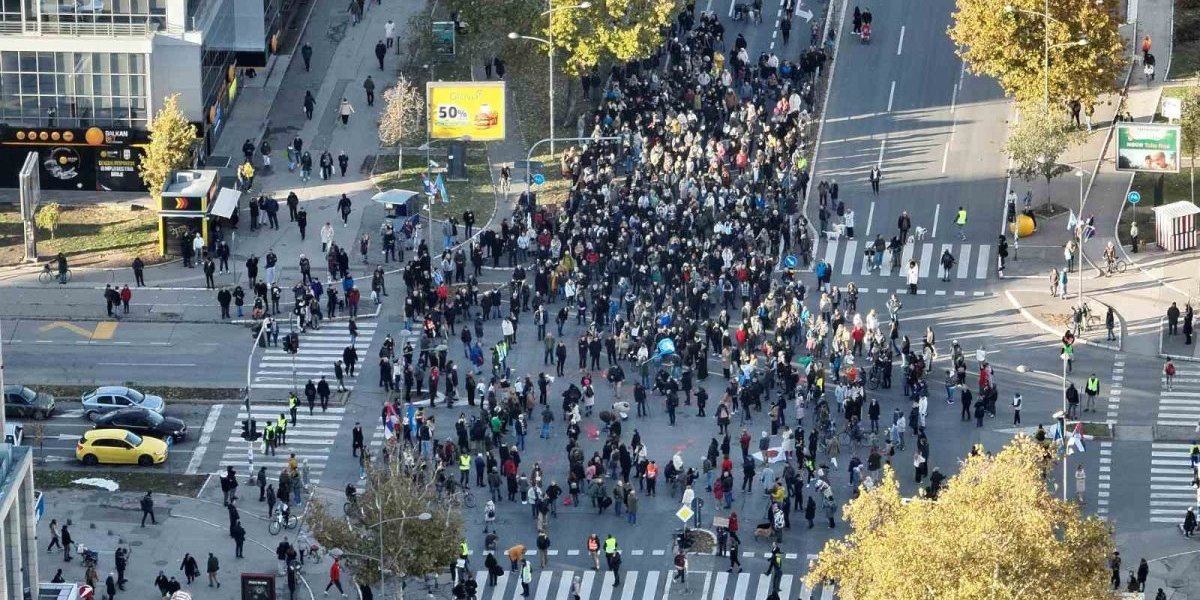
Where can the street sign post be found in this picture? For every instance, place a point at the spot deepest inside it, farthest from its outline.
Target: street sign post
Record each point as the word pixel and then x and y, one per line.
pixel 1135 197
pixel 684 513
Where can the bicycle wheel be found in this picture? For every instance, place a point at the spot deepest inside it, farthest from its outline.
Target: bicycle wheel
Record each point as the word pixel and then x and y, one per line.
pixel 292 522
pixel 873 382
pixel 348 508
pixel 274 527
pixel 1120 266
pixel 844 439
pixel 66 276
pixel 468 500
pixel 45 277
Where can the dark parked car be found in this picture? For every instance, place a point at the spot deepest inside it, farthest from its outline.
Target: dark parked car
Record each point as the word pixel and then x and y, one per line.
pixel 143 422
pixel 20 401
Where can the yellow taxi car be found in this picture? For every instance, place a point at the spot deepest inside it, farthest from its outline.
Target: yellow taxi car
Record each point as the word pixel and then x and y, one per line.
pixel 119 447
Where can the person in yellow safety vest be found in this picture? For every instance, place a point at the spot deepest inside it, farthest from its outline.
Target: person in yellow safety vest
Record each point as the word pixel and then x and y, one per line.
pixel 464 469
pixel 293 405
pixel 961 221
pixel 610 548
pixel 1092 389
pixel 281 429
pixel 246 175
pixel 269 439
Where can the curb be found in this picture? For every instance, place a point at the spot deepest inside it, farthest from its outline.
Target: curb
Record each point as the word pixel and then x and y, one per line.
pixel 1162 325
pixel 1053 331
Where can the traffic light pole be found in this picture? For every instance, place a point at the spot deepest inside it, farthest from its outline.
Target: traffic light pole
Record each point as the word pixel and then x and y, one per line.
pixel 248 425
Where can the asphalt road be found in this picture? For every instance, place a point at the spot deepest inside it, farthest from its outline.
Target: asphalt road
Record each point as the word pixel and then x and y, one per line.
pixel 935 131
pixel 105 352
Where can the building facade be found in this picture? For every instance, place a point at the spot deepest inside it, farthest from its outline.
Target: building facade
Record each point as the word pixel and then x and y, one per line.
pixel 18 523
pixel 108 64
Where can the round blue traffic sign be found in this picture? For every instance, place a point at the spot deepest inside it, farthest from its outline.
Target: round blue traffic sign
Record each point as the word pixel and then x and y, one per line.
pixel 1135 197
pixel 790 261
pixel 539 179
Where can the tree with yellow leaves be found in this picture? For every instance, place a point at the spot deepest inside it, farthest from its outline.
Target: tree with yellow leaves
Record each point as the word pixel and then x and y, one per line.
pixel 611 31
pixel 994 533
pixel 1008 40
pixel 171 139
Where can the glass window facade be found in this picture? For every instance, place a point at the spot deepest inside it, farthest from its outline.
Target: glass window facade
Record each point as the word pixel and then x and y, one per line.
pixel 73 89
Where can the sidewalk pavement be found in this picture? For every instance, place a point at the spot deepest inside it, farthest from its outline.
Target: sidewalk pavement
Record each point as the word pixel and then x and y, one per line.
pixel 101 520
pixel 1139 302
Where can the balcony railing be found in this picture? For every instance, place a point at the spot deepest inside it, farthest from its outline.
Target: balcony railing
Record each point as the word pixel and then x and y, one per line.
pixel 87 29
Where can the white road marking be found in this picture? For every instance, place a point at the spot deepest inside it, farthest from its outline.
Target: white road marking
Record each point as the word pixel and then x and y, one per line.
pixel 981 267
pixel 964 261
pixel 870 217
pixel 883 142
pixel 937 212
pixel 891 95
pixel 926 260
pixel 900 46
pixel 210 425
pixel 945 157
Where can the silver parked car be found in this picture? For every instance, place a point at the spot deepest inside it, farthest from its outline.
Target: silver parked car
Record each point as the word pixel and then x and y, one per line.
pixel 114 397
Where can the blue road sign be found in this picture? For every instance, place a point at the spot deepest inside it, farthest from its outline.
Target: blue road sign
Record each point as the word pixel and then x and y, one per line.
pixel 1135 197
pixel 790 261
pixel 539 179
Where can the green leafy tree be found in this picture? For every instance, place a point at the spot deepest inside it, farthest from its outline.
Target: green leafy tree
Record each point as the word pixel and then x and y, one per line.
pixel 994 533
pixel 171 139
pixel 390 506
pixel 48 217
pixel 610 31
pixel 489 22
pixel 1005 39
pixel 1037 141
pixel 403 107
pixel 1189 126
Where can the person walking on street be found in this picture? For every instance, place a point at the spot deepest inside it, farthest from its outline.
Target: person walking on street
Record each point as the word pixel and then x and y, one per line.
pixel 335 577
pixel 147 505
pixel 343 162
pixel 213 566
pixel 306 53
pixel 960 221
pixel 139 268
pixel 54 539
pixel 380 52
pixel 191 570
pixel 369 87
pixel 875 177
pixel 345 110
pixel 310 104
pixel 1168 373
pixel 110 586
pixel 66 540
pixel 389 32
pixel 344 207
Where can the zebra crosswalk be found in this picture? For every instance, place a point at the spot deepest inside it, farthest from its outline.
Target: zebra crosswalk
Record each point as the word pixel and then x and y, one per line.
pixel 650 585
pixel 847 258
pixel 1180 405
pixel 1171 491
pixel 319 349
pixel 311 438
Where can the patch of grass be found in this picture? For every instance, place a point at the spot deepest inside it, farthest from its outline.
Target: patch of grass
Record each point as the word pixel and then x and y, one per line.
pixel 1185 49
pixel 155 480
pixel 1098 430
pixel 88 235
pixel 475 194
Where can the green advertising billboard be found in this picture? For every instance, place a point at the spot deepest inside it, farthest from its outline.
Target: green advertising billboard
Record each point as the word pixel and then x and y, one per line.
pixel 1148 147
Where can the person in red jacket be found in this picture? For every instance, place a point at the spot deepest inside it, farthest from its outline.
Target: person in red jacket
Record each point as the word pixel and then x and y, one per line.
pixel 335 577
pixel 126 296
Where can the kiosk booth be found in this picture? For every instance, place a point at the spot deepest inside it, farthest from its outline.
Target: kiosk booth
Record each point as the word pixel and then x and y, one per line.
pixel 183 208
pixel 1175 226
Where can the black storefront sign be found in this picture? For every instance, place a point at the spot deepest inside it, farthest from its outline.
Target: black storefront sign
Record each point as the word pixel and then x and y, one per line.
pixel 93 159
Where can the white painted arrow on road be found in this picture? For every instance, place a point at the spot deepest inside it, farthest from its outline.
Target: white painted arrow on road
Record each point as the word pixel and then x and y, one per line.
pixel 803 13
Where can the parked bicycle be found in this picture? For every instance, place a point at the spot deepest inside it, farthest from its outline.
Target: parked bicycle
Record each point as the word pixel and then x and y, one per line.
pixel 283 519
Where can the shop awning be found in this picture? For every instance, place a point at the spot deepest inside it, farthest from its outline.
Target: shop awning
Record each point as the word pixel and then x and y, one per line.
pixel 227 202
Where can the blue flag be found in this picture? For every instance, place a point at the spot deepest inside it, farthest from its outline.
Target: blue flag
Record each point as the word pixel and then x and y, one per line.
pixel 441 188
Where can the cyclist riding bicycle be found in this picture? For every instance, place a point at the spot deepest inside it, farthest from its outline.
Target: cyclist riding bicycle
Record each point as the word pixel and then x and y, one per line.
pixel 1110 254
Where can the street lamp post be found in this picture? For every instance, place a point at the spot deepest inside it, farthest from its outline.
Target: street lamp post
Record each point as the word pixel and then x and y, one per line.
pixel 1078 172
pixel 429 176
pixel 1046 46
pixel 425 516
pixel 550 44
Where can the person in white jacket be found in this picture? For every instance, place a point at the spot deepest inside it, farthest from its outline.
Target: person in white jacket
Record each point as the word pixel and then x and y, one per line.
pixel 913 276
